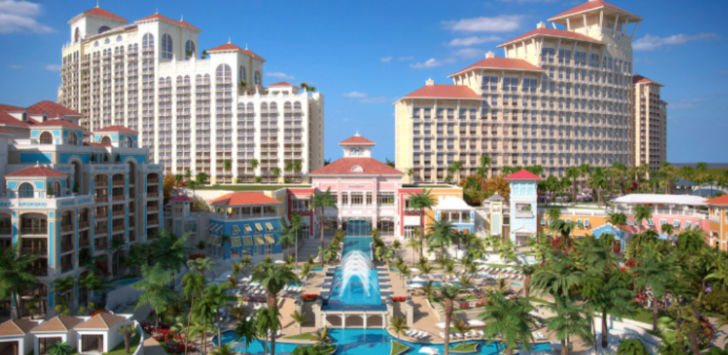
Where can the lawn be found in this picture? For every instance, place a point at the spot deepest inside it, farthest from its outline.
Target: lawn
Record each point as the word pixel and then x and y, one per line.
pixel 324 350
pixel 252 187
pixel 120 350
pixel 465 348
pixel 398 348
pixel 304 336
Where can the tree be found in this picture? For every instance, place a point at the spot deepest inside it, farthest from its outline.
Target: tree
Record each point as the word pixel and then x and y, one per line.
pixel 398 325
pixel 565 229
pixel 617 219
pixel 274 277
pixel 509 319
pixel 461 327
pixel 422 201
pixel 655 273
pixel 299 318
pixel 322 201
pixel 128 331
pixel 288 167
pixel 157 293
pixel 246 331
pixel 276 172
pixel 308 87
pixel 701 175
pixel 687 173
pixel 225 349
pixel 441 235
pixel 208 307
pixel 455 169
pixel 415 245
pixel 498 184
pixel 201 178
pixel 631 347
pixel 171 251
pixel 192 283
pixel 200 265
pixel 289 236
pixel 448 293
pixel 598 182
pixel 321 338
pixel 573 173
pixel 62 287
pixel 568 321
pixel 389 162
pixel 267 321
pixel 168 184
pixel 61 348
pixel 16 273
pixel 483 168
pixel 227 165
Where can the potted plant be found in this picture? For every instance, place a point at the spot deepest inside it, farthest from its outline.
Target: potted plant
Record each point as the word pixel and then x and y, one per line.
pixel 49 191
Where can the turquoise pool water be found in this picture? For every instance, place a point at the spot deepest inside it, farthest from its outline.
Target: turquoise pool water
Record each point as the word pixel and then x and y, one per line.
pixel 516 284
pixel 125 282
pixel 367 342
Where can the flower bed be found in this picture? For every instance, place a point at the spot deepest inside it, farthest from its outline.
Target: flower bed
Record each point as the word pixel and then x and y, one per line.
pixel 309 297
pixel 399 299
pixel 255 299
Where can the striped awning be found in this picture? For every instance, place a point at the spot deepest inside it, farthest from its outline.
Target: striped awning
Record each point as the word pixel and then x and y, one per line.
pixel 248 241
pixel 236 242
pixel 259 240
pixel 269 239
pixel 247 228
pixel 269 226
pixel 258 227
pixel 212 227
pixel 218 229
pixel 214 240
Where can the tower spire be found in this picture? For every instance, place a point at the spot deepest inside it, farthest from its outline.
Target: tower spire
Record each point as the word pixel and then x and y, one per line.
pixel 97 4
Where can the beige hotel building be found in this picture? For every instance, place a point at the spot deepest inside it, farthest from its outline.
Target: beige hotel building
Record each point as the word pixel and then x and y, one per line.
pixel 193 111
pixel 559 98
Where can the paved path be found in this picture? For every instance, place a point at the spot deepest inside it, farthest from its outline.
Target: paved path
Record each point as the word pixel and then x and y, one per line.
pixel 152 347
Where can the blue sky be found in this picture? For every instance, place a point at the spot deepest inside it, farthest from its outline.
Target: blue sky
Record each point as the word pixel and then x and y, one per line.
pixel 363 55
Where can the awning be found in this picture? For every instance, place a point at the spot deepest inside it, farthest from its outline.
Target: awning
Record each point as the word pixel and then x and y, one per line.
pixel 259 240
pixel 269 239
pixel 269 226
pixel 235 242
pixel 218 229
pixel 248 241
pixel 213 239
pixel 212 226
pixel 258 227
pixel 247 228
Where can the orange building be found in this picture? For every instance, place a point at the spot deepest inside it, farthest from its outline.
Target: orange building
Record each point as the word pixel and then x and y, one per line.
pixel 718 216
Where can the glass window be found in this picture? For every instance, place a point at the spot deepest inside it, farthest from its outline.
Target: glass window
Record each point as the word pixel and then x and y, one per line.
pixel 25 190
pixel 167 46
pixel 190 50
pixel 148 41
pixel 103 29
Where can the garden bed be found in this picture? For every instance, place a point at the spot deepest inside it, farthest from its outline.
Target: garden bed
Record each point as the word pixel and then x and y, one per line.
pixel 398 348
pixel 467 348
pixel 304 336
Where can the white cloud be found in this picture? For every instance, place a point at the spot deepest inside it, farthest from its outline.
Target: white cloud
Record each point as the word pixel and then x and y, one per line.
pixel 15 66
pixel 687 104
pixel 431 63
pixel 355 94
pixel 650 42
pixel 469 41
pixel 467 53
pixel 20 16
pixel 406 58
pixel 52 67
pixel 501 23
pixel 386 59
pixel 279 75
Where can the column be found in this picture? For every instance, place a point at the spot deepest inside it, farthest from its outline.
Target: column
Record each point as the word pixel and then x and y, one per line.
pixel 343 320
pixel 365 320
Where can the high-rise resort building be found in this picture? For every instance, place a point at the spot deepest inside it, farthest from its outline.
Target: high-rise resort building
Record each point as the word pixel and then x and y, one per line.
pixel 560 97
pixel 650 117
pixel 206 111
pixel 71 197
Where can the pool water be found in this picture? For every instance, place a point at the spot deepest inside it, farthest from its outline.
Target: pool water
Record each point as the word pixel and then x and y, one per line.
pixel 354 292
pixel 516 284
pixel 125 282
pixel 368 342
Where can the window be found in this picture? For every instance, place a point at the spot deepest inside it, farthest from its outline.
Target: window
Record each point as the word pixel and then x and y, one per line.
pixel 72 138
pixel 166 46
pixel 258 79
pixel 543 221
pixel 46 138
pixel 300 205
pixel 587 223
pixel 190 50
pixel 357 168
pixel 103 29
pixel 119 38
pixel 242 77
pixel 25 190
pixel 148 41
pixel 236 230
pixel 385 198
pixel 357 199
pixel 223 73
pixel 77 35
pixel 107 41
pixel 344 198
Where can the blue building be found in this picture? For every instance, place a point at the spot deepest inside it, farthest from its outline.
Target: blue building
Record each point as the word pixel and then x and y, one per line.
pixel 252 222
pixel 523 206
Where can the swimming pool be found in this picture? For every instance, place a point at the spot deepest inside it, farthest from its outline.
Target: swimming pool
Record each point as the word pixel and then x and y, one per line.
pixel 125 282
pixel 368 342
pixel 355 283
pixel 516 284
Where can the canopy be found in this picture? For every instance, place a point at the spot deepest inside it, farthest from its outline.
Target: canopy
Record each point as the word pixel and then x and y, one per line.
pixel 415 285
pixel 418 279
pixel 248 241
pixel 414 269
pixel 280 262
pixel 476 323
pixel 259 240
pixel 428 350
pixel 269 239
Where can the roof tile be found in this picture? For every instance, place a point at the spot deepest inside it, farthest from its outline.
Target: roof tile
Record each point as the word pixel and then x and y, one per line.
pixel 553 33
pixel 233 47
pixel 244 199
pixel 523 175
pixel 97 11
pixel 357 139
pixel 16 327
pixel 51 108
pixel 116 129
pixel 343 166
pixel 722 200
pixel 100 321
pixel 503 63
pixel 444 91
pixel 589 5
pixel 167 19
pixel 56 123
pixel 38 171
pixel 58 324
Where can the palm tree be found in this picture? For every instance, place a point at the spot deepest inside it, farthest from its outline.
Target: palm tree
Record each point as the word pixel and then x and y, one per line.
pixel 415 245
pixel 455 169
pixel 441 234
pixel 61 348
pixel 297 166
pixel 461 327
pixel 656 273
pixel 171 251
pixel 225 349
pixel 483 168
pixel 208 307
pixel 128 331
pixel 321 338
pixel 299 318
pixel 200 265
pixel 389 162
pixel 323 201
pixel 398 325
pixel 422 201
pixel 16 273
pixel 565 229
pixel 276 172
pixel 308 87
pixel 554 213
pixel 613 298
pixel 274 278
pixel 568 321
pixel 701 174
pixel 254 164
pixel 192 283
pixel 509 319
pixel 527 270
pixel 573 173
pixel 288 236
pixel 63 286
pixel 689 243
pixel 617 219
pixel 246 331
pixel 157 293
pixel 631 347
pixel 288 167
pixel 448 293
pixel 598 182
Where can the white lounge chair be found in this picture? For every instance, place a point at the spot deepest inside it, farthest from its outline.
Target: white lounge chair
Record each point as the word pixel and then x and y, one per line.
pixel 541 335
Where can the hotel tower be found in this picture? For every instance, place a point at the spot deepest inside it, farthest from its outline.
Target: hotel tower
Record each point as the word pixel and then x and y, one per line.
pixel 203 111
pixel 562 96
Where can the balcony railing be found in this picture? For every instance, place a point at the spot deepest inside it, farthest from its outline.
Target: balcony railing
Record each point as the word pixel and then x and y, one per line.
pixel 118 198
pixel 152 221
pixel 82 225
pixel 118 183
pixel 6 230
pixel 43 230
pixel 40 272
pixel 101 231
pixel 66 247
pixel 66 228
pixel 34 251
pixel 101 199
pixel 119 228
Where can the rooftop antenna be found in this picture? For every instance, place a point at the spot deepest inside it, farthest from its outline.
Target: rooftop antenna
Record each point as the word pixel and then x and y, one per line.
pixel 246 46
pixel 229 40
pixel 182 18
pixel 97 4
pixel 157 12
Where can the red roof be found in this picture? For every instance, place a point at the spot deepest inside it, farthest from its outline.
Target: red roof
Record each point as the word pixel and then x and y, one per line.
pixel 244 198
pixel 164 18
pixel 523 175
pixel 502 63
pixel 357 139
pixel 639 79
pixel 445 91
pixel 181 198
pixel 116 129
pixel 722 200
pixel 10 108
pixel 282 83
pixel 552 32
pixel 370 166
pixel 97 11
pixel 51 108
pixel 232 47
pixel 4 131
pixel 7 119
pixel 56 123
pixel 36 171
pixel 587 6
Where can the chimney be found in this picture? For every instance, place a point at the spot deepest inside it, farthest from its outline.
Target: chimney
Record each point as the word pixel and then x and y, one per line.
pixel 541 25
pixel 489 55
pixel 429 82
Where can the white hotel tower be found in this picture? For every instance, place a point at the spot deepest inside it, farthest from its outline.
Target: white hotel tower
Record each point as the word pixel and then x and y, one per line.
pixel 194 110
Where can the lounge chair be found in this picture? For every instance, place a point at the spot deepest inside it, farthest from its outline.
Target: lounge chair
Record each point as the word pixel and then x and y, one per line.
pixel 425 335
pixel 541 335
pixel 442 335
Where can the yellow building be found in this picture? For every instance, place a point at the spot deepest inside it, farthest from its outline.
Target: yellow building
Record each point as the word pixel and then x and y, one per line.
pixel 718 216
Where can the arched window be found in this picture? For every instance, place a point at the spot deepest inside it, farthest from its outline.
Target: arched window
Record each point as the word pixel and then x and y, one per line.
pixel 107 41
pixel 179 80
pixel 118 38
pixel 166 46
pixel 242 74
pixel 207 79
pixel 241 108
pixel 148 41
pixel 96 44
pixel 287 106
pixel 25 190
pixel 187 80
pixel 258 79
pixel 223 73
pixel 190 50
pixel 106 140
pixel 56 188
pixel 198 79
pixel 357 169
pixel 264 107
pixel 273 106
pixel 46 138
pixel 77 35
pixel 297 106
pixel 251 108
pixel 103 29
pixel 130 142
pixel 72 138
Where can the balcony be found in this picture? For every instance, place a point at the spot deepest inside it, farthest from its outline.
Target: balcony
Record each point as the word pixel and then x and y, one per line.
pixel 100 231
pixel 118 198
pixel 101 199
pixel 34 230
pixel 118 228
pixel 66 247
pixel 66 228
pixel 34 251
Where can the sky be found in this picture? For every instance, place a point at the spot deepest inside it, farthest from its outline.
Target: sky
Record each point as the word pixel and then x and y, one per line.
pixel 364 55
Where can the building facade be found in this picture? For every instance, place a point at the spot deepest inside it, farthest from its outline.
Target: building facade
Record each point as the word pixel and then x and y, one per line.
pixel 69 195
pixel 650 118
pixel 203 111
pixel 560 97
